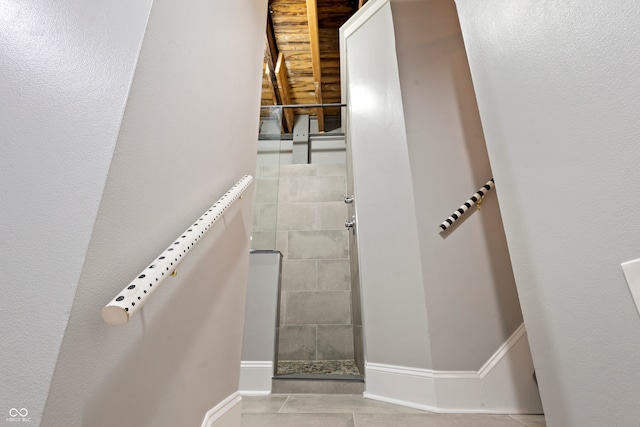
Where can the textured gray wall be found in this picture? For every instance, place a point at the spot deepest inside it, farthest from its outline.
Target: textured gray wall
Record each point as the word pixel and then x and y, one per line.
pixel 178 151
pixel 557 85
pixel 66 70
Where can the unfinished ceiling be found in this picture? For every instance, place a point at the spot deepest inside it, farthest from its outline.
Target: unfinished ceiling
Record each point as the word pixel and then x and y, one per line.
pixel 302 55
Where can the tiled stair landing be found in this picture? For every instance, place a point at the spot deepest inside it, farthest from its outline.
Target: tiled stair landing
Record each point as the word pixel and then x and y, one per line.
pixel 317 377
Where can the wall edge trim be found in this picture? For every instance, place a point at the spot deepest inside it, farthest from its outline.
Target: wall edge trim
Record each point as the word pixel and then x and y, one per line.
pixel 221 410
pixel 255 377
pixel 502 351
pixel 256 364
pixel 457 392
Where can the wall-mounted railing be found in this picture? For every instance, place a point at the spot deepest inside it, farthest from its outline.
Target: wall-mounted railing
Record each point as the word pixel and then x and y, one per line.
pixel 475 199
pixel 134 295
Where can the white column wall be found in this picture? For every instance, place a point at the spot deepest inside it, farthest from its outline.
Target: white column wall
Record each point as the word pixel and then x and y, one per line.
pixel 557 85
pixel 66 71
pixel 472 302
pixel 443 327
pixel 188 134
pixel 393 302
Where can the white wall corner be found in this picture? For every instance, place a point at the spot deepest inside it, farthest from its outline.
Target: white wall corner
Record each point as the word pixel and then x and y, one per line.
pixel 255 378
pixel 226 413
pixel 503 385
pixel 507 378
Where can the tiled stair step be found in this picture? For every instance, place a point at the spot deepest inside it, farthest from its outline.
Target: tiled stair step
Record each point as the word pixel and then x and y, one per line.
pixel 317 384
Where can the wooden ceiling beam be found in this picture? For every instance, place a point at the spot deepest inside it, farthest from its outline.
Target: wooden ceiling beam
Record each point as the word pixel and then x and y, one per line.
pixel 271 48
pixel 272 88
pixel 314 40
pixel 284 91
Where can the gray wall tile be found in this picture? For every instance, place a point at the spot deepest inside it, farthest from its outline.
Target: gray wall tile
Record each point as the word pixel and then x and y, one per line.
pixel 267 216
pixel 297 216
pixel 298 170
pixel 263 239
pixel 282 243
pixel 283 189
pixel 297 342
pixel 333 307
pixel 334 275
pixel 309 217
pixel 331 215
pixel 328 169
pixel 269 171
pixel 335 342
pixel 299 275
pixel 318 244
pixel 267 190
pixel 316 189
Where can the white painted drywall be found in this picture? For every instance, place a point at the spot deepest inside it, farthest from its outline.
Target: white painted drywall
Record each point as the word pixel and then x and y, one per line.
pixel 393 300
pixel 263 290
pixel 260 322
pixel 66 71
pixel 188 134
pixel 557 85
pixel 471 294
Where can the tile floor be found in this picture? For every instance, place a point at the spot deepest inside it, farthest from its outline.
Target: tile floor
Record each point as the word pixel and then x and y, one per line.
pixel 316 410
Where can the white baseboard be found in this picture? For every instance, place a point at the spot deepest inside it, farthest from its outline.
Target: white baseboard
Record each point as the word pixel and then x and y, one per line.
pixel 226 413
pixel 255 378
pixel 503 385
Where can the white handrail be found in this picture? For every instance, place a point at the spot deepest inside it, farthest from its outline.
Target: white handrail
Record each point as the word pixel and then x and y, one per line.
pixel 133 296
pixel 475 199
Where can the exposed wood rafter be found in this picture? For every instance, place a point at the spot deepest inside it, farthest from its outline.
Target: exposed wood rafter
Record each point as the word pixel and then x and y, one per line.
pixel 271 48
pixel 271 56
pixel 314 40
pixel 272 87
pixel 284 91
pixel 306 33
